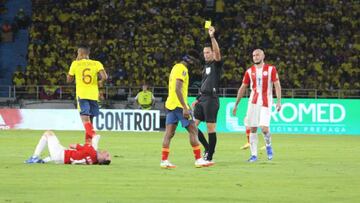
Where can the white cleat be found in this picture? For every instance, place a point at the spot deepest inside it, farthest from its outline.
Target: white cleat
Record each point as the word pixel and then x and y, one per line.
pixel 211 162
pixel 199 163
pixel 166 164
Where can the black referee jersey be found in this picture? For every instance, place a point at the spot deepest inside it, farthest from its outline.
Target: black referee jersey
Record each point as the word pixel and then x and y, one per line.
pixel 211 78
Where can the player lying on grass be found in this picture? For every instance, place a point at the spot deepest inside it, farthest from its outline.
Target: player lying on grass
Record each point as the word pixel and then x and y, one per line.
pixel 76 154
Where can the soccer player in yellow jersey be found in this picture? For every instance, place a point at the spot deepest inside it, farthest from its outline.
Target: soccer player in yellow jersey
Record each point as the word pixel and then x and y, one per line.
pixel 85 71
pixel 178 110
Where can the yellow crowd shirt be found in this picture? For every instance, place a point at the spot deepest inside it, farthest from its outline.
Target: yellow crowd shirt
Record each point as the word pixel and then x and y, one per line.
pixel 86 78
pixel 145 99
pixel 179 71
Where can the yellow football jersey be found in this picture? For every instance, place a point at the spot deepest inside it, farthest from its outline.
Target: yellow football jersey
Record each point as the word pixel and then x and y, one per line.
pixel 86 78
pixel 179 71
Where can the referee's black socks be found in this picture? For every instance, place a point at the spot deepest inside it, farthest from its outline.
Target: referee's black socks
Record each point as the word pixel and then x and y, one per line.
pixel 212 145
pixel 203 141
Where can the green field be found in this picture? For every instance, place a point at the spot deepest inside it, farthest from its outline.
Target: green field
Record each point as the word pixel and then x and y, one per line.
pixel 306 168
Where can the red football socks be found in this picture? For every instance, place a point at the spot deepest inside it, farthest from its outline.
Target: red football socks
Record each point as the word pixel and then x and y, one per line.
pixel 197 151
pixel 89 132
pixel 165 153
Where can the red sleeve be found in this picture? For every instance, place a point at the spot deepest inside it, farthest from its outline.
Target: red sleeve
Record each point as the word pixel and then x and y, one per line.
pixel 84 154
pixel 274 75
pixel 246 79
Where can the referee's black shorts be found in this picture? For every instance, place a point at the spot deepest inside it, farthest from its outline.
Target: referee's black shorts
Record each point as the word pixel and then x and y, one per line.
pixel 207 108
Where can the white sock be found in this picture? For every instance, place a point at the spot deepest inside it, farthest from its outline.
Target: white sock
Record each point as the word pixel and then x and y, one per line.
pixel 40 146
pixel 95 141
pixel 267 138
pixel 253 144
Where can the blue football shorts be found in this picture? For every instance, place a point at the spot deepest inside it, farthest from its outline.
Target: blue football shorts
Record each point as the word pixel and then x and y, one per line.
pixel 88 107
pixel 176 115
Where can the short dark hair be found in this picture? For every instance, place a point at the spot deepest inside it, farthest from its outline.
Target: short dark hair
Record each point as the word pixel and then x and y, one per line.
pixel 191 56
pixel 84 46
pixel 104 162
pixel 208 45
pixel 193 53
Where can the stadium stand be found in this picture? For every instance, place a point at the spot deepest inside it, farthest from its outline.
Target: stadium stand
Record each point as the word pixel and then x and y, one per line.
pixel 314 44
pixel 14 20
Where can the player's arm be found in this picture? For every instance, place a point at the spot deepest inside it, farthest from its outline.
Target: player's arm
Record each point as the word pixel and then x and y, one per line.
pixel 152 99
pixel 79 162
pixel 75 146
pixel 241 91
pixel 278 94
pixel 69 78
pixel 276 81
pixel 196 101
pixel 136 99
pixel 103 78
pixel 240 94
pixel 214 44
pixel 178 90
pixel 72 146
pixel 71 75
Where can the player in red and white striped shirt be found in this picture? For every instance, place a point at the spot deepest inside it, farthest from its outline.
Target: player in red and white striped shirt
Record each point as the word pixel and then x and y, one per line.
pixel 261 78
pixel 77 154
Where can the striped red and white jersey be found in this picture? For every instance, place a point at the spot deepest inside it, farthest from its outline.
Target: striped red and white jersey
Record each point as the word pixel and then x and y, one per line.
pixel 261 82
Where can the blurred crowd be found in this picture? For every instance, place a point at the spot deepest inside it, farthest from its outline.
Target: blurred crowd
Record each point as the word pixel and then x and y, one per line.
pixel 314 44
pixel 8 29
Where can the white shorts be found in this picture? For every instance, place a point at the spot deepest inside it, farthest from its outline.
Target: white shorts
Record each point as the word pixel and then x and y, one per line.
pixel 56 150
pixel 258 115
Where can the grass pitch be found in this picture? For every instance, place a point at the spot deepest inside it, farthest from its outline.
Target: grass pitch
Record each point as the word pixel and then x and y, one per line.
pixel 306 168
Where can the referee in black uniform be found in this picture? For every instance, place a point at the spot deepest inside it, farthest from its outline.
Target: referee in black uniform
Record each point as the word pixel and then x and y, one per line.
pixel 207 103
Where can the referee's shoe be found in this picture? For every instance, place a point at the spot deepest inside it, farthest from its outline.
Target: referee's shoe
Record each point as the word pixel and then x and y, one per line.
pixel 206 157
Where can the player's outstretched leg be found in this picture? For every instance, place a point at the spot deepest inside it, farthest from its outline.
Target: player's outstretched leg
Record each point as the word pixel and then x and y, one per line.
pixel 35 158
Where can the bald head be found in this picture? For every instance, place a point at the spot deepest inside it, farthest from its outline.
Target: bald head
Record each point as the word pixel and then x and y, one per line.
pixel 258 56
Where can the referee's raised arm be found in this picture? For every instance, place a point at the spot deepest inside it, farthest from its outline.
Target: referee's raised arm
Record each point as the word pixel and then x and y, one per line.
pixel 214 44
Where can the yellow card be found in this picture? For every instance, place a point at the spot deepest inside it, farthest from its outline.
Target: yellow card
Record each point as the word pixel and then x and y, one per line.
pixel 207 24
